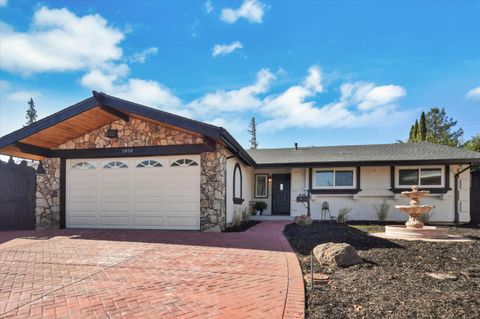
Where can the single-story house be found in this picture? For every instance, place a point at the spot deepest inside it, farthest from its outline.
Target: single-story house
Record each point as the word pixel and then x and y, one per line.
pixel 111 163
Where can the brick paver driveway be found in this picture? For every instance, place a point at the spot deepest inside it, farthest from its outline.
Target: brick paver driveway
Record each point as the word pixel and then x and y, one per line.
pixel 150 274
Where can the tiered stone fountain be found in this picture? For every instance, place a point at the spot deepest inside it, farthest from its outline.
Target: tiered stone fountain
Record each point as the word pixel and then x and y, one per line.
pixel 414 228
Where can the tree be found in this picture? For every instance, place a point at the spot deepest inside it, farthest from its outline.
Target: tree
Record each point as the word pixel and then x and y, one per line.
pixel 436 127
pixel 414 133
pixel 473 144
pixel 253 133
pixel 423 127
pixel 440 128
pixel 31 113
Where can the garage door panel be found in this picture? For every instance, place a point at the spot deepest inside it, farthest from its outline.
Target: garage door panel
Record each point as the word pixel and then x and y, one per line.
pixel 186 222
pixel 87 192
pixel 82 221
pixel 149 221
pixel 83 206
pixel 134 197
pixel 106 220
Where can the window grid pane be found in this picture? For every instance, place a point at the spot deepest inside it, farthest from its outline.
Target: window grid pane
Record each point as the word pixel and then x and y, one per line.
pixel 408 177
pixel 324 179
pixel 261 186
pixel 344 178
pixel 431 176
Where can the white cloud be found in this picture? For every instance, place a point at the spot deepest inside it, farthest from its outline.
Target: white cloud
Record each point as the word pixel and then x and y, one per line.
pixel 252 10
pixel 360 104
pixel 224 49
pixel 208 6
pixel 368 96
pixel 474 93
pixel 59 40
pixel 23 96
pixel 141 57
pixel 3 3
pixel 246 98
pixel 113 80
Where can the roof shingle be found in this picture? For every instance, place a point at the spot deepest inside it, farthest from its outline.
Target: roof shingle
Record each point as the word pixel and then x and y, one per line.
pixel 400 152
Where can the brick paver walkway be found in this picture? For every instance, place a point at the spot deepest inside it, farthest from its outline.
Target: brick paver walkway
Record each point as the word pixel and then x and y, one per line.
pixel 150 274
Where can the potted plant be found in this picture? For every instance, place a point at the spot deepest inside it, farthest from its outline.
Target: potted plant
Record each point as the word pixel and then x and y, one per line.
pixel 259 207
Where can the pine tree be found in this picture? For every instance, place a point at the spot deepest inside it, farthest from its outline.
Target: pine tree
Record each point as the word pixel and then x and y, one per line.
pixel 253 133
pixel 411 136
pixel 440 128
pixel 415 131
pixel 31 113
pixel 423 128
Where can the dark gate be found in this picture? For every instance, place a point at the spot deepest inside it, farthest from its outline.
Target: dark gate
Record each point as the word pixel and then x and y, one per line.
pixel 475 198
pixel 17 196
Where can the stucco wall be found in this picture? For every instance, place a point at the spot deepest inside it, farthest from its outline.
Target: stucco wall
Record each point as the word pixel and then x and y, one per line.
pixel 247 188
pixel 375 185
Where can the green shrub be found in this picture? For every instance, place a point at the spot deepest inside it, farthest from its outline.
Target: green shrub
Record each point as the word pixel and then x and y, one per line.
pixel 260 205
pixel 342 214
pixel 382 210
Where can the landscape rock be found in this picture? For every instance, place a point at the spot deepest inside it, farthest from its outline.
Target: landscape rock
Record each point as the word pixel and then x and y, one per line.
pixel 302 220
pixel 337 254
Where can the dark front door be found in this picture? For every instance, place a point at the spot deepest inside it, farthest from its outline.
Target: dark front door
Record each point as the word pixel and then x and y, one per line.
pixel 475 198
pixel 281 194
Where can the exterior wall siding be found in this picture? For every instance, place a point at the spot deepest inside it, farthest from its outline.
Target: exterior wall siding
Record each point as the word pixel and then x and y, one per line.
pixel 247 190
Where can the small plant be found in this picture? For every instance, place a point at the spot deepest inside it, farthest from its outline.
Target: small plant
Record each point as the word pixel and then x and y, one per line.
pixel 260 206
pixel 382 210
pixel 342 214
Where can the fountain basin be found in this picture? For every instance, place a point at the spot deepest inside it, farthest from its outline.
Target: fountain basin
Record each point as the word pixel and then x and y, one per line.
pixel 426 232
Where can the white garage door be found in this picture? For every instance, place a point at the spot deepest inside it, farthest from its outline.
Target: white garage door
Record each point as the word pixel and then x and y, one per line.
pixel 151 193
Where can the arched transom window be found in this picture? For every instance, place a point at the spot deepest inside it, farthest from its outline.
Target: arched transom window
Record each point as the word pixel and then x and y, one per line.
pixel 149 164
pixel 184 162
pixel 115 164
pixel 237 185
pixel 84 165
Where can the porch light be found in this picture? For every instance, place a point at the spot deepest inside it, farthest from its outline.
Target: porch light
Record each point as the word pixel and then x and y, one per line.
pixel 111 133
pixel 269 178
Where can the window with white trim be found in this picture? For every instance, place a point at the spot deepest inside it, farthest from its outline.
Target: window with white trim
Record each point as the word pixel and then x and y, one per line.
pixel 261 186
pixel 115 164
pixel 149 164
pixel 334 178
pixel 84 165
pixel 407 177
pixel 184 162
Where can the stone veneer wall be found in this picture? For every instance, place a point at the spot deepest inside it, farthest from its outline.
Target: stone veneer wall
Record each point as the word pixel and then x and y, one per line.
pixel 212 190
pixel 133 134
pixel 47 211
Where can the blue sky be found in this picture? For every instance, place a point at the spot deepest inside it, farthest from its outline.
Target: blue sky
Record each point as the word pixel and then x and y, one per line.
pixel 313 72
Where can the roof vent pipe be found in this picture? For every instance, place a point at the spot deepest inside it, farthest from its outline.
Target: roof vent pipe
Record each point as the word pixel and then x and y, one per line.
pixel 296 146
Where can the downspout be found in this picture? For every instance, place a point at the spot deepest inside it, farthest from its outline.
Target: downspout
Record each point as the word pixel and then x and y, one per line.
pixel 457 193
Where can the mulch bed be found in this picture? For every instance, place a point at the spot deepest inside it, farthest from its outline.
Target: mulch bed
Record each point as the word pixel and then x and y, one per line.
pixel 393 281
pixel 242 227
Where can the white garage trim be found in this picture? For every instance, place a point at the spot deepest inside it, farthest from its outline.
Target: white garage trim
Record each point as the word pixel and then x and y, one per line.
pixel 161 192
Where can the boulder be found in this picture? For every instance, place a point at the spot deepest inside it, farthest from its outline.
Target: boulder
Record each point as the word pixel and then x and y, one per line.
pixel 337 254
pixel 302 220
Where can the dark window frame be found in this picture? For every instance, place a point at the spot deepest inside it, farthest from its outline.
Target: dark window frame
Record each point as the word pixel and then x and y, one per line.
pixel 237 200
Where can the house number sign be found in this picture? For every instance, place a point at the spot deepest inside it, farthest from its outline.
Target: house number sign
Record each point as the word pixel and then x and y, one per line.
pixel 127 150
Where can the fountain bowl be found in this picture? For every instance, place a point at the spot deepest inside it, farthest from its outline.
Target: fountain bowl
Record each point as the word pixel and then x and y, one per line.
pixel 425 232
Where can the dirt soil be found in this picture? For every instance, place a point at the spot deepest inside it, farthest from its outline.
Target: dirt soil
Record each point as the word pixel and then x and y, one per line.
pixel 393 281
pixel 242 227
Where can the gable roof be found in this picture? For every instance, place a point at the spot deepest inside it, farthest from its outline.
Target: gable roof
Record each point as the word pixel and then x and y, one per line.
pixel 115 108
pixel 364 154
